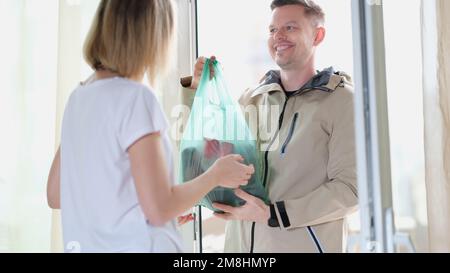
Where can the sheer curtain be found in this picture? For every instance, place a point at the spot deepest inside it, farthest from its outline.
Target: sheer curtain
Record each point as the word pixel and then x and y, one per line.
pixel 41 64
pixel 436 42
pixel 27 138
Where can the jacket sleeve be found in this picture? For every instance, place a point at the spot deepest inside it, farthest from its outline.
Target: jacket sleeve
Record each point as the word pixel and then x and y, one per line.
pixel 338 197
pixel 187 94
pixel 187 100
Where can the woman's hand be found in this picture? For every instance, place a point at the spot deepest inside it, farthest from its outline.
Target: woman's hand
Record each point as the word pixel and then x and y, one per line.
pixel 198 71
pixel 54 183
pixel 182 220
pixel 229 172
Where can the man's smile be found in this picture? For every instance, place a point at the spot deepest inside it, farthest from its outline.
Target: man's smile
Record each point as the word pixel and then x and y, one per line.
pixel 282 47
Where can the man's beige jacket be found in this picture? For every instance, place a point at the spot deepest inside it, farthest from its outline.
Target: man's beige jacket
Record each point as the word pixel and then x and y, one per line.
pixel 309 165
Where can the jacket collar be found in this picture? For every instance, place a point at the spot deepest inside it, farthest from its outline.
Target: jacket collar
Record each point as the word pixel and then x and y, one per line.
pixel 327 80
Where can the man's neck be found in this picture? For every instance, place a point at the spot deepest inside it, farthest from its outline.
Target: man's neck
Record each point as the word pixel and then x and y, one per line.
pixel 293 80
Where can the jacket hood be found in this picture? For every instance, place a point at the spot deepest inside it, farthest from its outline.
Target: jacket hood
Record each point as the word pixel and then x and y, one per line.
pixel 326 80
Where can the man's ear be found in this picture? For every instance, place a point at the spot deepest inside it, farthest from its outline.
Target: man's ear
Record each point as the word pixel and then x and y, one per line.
pixel 320 36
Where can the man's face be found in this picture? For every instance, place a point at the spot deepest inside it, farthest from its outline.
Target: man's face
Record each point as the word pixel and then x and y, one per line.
pixel 292 37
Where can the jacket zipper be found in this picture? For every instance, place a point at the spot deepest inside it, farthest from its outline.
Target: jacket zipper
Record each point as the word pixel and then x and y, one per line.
pixel 266 169
pixel 252 245
pixel 266 155
pixel 289 137
pixel 315 239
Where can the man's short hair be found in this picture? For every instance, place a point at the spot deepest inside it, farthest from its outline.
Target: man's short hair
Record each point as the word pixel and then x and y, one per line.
pixel 312 10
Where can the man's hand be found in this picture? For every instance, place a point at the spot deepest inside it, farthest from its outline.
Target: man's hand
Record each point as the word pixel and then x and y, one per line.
pixel 198 71
pixel 254 210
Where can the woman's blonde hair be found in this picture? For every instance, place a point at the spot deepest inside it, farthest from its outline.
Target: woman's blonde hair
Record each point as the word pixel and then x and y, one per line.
pixel 131 37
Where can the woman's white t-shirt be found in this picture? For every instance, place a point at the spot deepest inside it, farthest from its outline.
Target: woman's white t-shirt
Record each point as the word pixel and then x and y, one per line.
pixel 99 204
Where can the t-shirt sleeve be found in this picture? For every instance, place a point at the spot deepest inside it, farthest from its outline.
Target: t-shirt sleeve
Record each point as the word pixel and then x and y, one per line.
pixel 143 116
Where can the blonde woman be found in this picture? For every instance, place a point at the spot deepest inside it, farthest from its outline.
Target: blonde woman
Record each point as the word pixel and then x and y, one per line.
pixel 113 174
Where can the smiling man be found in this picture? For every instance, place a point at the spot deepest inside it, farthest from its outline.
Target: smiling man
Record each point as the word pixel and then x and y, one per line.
pixel 311 175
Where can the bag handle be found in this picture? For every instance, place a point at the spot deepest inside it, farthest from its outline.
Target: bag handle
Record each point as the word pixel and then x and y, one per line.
pixel 216 84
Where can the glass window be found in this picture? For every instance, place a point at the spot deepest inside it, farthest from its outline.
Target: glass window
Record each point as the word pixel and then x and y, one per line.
pixel 405 104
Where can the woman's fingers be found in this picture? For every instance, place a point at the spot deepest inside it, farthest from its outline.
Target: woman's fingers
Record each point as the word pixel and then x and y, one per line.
pixel 251 169
pixel 248 169
pixel 185 219
pixel 238 158
pixel 244 182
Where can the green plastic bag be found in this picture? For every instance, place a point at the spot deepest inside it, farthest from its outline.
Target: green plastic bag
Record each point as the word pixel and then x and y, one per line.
pixel 216 128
